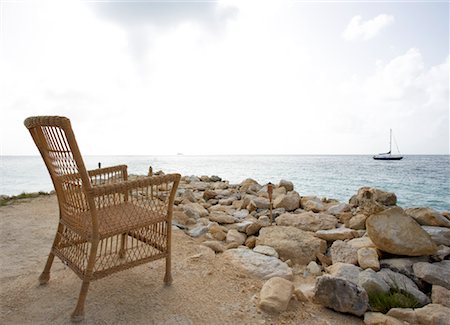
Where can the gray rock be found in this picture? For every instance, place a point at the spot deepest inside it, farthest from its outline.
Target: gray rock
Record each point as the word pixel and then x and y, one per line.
pixel 313 268
pixel 341 295
pixel 198 231
pixel 291 243
pixel 436 273
pixel 288 185
pixel 372 282
pixel 400 281
pixel 440 235
pixel 342 252
pixel 266 250
pixel 339 208
pixel 241 214
pixel 350 272
pixel 402 265
pixel 289 201
pixel 258 265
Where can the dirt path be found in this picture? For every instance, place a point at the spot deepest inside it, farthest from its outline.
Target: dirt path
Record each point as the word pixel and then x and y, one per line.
pixel 205 290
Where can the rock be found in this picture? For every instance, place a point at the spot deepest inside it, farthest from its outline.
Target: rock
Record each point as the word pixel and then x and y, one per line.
pixel 339 208
pixel 234 236
pixel 259 265
pixel 220 185
pixel 394 232
pixel 361 242
pixel 428 217
pixel 372 282
pixel 357 222
pixel 313 268
pixel 300 295
pixel 440 295
pixel 290 201
pixel 407 315
pixel 313 204
pixel 278 191
pixel 291 243
pixel 400 281
pixel 436 273
pixel 368 258
pixel 347 271
pixel 198 231
pixel 340 295
pixel 200 186
pixel 192 178
pixel 288 185
pixel 215 178
pixel 241 214
pixel 246 184
pixel 337 234
pixel 217 232
pixel 264 221
pixel 221 217
pixel 442 253
pixel 195 210
pixel 308 221
pixel 342 252
pixel 182 218
pixel 372 318
pixel 402 265
pixel 275 295
pixel 439 235
pixel 242 226
pixel 433 314
pixel 266 250
pixel 189 195
pixel 253 228
pixel 368 194
pixel 216 246
pixel 251 242
pixel 258 203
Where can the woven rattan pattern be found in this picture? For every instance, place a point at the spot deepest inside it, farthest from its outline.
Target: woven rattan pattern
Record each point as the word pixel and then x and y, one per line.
pixel 107 222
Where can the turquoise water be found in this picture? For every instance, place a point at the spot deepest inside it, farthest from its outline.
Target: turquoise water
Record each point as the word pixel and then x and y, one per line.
pixel 417 180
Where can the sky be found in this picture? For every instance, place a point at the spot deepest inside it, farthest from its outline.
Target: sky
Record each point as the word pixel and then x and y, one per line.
pixel 228 76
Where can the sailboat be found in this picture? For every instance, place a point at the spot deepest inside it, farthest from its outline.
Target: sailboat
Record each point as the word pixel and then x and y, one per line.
pixel 388 155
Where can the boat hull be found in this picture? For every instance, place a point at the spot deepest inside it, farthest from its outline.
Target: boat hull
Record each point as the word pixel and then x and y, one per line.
pixel 388 158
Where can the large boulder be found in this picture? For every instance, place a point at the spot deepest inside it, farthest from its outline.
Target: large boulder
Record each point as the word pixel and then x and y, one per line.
pixel 312 203
pixel 436 273
pixel 247 183
pixel 299 246
pixel 258 265
pixel 340 295
pixel 308 221
pixel 393 231
pixel 428 217
pixel 347 271
pixel 275 295
pixel 289 201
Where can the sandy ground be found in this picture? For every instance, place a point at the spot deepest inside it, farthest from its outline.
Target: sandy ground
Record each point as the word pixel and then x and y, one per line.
pixel 205 290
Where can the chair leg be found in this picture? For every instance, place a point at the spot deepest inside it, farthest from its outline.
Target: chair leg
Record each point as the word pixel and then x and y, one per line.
pixel 123 239
pixel 78 313
pixel 168 276
pixel 45 275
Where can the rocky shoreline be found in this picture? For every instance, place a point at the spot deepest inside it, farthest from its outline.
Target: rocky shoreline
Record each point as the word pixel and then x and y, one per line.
pixel 356 250
pixel 357 253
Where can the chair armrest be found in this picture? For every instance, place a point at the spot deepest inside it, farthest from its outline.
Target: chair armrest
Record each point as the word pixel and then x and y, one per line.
pixel 125 186
pixel 108 175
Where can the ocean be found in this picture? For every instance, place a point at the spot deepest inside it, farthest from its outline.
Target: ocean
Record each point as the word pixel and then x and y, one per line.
pixel 416 180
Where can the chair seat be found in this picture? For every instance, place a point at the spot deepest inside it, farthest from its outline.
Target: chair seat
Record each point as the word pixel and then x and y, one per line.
pixel 120 218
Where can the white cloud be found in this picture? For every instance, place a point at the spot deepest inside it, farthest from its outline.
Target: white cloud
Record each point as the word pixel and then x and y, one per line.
pixel 358 29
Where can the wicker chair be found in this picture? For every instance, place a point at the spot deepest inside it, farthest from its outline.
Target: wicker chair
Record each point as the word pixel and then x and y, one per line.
pixel 107 223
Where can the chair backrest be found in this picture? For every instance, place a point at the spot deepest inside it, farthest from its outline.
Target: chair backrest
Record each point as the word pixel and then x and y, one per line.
pixel 56 142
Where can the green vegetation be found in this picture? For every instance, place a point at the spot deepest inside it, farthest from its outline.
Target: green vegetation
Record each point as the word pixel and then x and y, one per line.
pixel 5 200
pixel 395 298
